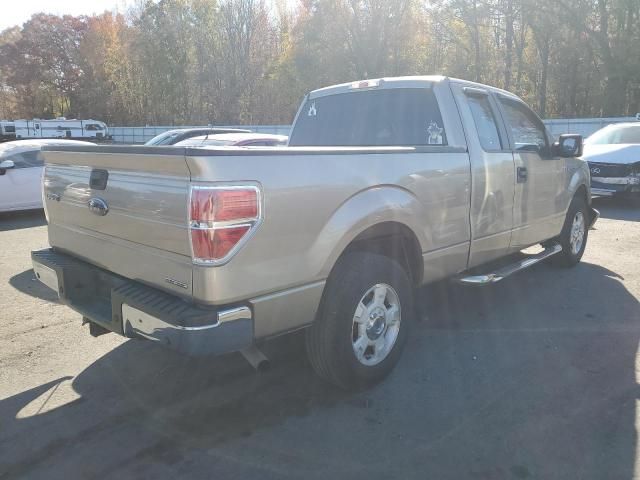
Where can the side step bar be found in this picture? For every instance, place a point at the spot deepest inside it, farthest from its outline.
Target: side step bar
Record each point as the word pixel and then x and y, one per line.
pixel 512 268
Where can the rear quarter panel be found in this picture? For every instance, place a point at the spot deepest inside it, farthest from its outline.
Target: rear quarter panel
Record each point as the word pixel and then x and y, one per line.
pixel 315 204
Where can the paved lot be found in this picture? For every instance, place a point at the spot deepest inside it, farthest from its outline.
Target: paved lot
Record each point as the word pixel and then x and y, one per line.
pixel 532 378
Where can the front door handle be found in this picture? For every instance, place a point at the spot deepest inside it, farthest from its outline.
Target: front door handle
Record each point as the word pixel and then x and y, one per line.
pixel 522 174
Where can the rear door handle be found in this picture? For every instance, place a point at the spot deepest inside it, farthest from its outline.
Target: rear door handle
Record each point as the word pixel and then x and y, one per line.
pixel 522 174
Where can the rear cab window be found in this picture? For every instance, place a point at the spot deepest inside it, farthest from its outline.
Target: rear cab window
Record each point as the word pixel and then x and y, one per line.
pixel 378 117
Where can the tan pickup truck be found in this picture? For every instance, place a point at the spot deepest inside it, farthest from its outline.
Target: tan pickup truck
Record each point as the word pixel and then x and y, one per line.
pixel 385 185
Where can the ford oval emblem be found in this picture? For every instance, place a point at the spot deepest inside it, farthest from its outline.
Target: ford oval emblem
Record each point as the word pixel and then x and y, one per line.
pixel 98 206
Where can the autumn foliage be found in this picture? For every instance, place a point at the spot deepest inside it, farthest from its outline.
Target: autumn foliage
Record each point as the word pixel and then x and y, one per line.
pixel 250 61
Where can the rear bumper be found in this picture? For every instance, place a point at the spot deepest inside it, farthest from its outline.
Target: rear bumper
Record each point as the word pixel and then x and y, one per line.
pixel 133 309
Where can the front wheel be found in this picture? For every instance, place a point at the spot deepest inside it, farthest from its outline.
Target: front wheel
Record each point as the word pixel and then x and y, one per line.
pixel 575 232
pixel 362 325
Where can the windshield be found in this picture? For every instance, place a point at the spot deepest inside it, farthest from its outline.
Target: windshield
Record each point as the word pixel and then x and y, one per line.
pixel 165 138
pixel 204 142
pixel 623 134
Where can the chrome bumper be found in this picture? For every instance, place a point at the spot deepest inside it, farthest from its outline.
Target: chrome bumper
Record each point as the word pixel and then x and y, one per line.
pixel 133 309
pixel 195 340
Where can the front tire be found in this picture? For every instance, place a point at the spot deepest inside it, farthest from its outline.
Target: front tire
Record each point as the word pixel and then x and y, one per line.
pixel 575 232
pixel 363 321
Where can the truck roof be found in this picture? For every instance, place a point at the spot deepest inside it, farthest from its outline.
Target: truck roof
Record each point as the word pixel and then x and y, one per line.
pixel 418 81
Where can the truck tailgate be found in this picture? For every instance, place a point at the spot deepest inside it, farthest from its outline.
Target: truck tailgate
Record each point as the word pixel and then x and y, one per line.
pixel 123 209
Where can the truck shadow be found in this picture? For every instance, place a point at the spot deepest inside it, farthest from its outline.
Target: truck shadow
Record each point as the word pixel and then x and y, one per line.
pixel 26 282
pixel 21 219
pixel 519 380
pixel 617 209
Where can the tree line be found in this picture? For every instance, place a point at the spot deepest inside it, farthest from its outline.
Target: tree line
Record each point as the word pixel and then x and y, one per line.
pixel 251 61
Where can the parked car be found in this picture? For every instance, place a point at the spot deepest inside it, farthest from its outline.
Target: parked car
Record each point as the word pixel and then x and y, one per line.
pixel 385 185
pixel 613 154
pixel 21 172
pixel 171 137
pixel 235 139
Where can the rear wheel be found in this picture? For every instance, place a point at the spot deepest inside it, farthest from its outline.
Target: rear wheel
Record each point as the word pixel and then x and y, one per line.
pixel 362 325
pixel 575 232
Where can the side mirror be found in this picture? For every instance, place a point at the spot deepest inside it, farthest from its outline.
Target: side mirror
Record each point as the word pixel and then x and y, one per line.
pixel 569 145
pixel 6 165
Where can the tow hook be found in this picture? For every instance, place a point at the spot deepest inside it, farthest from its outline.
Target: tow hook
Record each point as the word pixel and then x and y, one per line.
pixel 256 358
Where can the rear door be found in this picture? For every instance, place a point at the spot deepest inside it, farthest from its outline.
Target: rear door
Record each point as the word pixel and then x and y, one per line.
pixel 539 177
pixel 492 170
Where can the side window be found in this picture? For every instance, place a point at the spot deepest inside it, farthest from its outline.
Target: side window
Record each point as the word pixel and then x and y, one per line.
pixel 527 130
pixel 485 121
pixel 27 159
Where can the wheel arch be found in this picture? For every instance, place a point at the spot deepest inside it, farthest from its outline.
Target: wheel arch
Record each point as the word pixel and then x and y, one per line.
pixel 378 219
pixel 394 240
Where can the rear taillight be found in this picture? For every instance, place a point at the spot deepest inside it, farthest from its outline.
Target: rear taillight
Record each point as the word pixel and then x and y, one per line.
pixel 221 219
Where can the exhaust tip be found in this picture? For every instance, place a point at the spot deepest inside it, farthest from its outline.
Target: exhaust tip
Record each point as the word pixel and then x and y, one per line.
pixel 256 359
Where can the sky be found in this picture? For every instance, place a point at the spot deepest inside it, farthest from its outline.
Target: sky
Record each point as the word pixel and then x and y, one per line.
pixel 19 11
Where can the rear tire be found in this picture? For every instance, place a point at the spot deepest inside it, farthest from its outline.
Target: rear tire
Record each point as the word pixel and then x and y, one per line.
pixel 363 321
pixel 575 232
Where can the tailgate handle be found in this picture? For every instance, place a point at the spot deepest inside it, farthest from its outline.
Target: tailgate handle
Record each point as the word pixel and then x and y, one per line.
pixel 98 179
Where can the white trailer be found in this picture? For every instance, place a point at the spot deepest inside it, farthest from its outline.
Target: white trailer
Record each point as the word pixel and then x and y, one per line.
pixel 61 128
pixel 7 130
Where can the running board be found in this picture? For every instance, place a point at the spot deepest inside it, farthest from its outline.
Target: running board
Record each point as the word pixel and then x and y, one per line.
pixel 504 272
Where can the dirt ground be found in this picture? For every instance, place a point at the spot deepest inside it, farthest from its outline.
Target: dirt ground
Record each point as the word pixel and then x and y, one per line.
pixel 534 377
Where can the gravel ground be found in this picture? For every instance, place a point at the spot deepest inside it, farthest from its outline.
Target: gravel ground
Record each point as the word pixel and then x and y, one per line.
pixel 532 378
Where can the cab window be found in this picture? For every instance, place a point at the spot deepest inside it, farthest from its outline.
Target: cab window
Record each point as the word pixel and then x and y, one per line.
pixel 384 117
pixel 527 130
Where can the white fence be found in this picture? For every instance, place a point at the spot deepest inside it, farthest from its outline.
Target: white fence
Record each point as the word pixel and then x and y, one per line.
pixel 557 126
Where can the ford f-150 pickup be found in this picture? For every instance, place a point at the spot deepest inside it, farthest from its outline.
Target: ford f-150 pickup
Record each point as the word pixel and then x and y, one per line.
pixel 385 185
